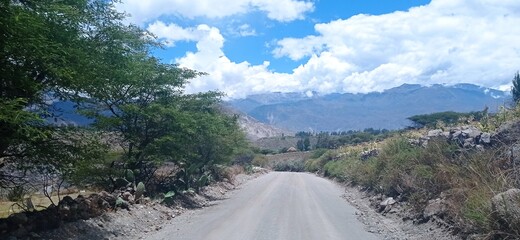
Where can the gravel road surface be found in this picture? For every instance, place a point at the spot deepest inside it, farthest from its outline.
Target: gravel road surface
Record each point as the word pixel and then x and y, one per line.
pixel 278 205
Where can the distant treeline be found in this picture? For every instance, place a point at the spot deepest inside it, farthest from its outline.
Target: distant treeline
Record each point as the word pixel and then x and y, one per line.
pixel 331 140
pixel 342 133
pixel 449 118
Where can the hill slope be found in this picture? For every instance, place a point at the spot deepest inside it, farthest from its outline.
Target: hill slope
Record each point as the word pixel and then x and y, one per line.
pixel 388 109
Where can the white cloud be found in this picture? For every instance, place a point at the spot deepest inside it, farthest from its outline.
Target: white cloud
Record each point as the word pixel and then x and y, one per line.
pixel 172 33
pixel 447 41
pixel 235 79
pixel 244 30
pixel 142 11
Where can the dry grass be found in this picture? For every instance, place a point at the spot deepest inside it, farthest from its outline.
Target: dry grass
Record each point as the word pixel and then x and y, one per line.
pixel 467 178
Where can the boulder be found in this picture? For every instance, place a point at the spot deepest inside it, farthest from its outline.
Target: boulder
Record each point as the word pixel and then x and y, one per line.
pixel 514 154
pixel 127 196
pixel 471 132
pixel 435 207
pixel 508 133
pixel 98 204
pixel 435 133
pixel 387 201
pixel 84 209
pixel 67 208
pixel 386 205
pixel 414 142
pixel 506 209
pixel 369 153
pixel 110 198
pixel 485 138
pixel 469 143
pixel 456 134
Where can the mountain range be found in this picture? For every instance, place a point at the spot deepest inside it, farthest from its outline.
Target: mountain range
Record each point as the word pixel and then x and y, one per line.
pixel 381 110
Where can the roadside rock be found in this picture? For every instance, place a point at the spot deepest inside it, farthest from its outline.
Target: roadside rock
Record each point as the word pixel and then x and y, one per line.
pixel 506 209
pixel 485 138
pixel 471 132
pixel 127 196
pixel 134 224
pixel 508 133
pixel 435 207
pixel 388 201
pixel 369 153
pixel 465 136
pixel 387 204
pixel 435 133
pixel 111 199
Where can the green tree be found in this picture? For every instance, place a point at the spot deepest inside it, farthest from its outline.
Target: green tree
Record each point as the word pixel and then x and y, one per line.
pixel 515 90
pixel 299 145
pixel 82 51
pixel 44 51
pixel 323 140
pixel 306 144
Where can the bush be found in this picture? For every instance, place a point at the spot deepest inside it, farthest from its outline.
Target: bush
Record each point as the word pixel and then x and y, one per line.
pixel 336 169
pixel 260 160
pixel 317 164
pixel 289 166
pixel 17 193
pixel 467 179
pixel 318 152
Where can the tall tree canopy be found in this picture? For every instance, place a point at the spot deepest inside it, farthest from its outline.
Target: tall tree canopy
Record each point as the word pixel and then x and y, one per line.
pixel 82 51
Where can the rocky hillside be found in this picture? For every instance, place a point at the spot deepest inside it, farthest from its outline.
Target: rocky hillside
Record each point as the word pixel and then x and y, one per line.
pixel 388 109
pixel 255 129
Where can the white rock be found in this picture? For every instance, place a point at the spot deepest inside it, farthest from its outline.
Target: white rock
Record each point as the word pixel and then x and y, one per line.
pixel 388 201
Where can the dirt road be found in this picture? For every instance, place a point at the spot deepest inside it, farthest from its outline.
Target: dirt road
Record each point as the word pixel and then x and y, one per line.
pixel 274 206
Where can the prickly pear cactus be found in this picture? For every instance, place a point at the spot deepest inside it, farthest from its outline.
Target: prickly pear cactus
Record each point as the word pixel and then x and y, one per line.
pixel 129 175
pixel 139 190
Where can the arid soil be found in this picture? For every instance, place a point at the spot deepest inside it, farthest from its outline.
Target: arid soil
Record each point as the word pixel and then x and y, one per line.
pixel 141 220
pixel 393 225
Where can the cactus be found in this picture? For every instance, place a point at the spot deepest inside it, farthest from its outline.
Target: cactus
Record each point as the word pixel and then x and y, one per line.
pixel 119 202
pixel 129 175
pixel 168 198
pixel 139 190
pixel 122 203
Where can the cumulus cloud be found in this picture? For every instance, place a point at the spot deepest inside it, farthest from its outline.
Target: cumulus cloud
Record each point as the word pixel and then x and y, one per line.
pixel 279 10
pixel 235 79
pixel 172 33
pixel 447 41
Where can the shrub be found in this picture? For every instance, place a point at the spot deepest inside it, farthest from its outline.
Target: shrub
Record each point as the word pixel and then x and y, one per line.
pixel 260 160
pixel 317 164
pixel 289 166
pixel 336 169
pixel 16 194
pixel 318 152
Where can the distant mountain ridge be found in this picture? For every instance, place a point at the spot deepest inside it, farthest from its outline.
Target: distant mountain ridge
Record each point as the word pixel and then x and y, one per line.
pixel 345 111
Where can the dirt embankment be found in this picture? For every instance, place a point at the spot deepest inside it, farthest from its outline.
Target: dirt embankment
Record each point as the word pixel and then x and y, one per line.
pixel 396 222
pixel 139 219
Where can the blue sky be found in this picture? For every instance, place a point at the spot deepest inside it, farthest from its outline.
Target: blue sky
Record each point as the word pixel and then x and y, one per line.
pixel 256 46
